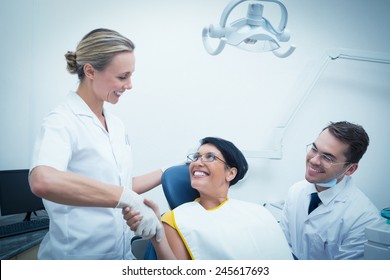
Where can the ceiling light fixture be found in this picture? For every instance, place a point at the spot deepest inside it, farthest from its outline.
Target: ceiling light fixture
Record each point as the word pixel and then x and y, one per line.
pixel 252 33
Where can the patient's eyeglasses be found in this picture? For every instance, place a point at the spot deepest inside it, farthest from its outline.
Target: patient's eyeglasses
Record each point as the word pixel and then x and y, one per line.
pixel 325 159
pixel 208 157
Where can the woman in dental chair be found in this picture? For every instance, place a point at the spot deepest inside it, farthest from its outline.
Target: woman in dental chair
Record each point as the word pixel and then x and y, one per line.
pixel 215 226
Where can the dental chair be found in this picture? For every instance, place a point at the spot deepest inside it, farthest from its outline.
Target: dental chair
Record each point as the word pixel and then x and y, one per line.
pixel 176 184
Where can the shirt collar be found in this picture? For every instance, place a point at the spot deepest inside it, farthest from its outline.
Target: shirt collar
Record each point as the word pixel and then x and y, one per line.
pixel 78 105
pixel 332 193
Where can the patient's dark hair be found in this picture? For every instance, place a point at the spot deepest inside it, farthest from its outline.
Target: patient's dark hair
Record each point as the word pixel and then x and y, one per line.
pixel 232 155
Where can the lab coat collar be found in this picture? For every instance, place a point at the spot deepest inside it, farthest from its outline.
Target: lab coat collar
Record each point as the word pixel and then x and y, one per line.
pixel 327 197
pixel 79 107
pixel 332 194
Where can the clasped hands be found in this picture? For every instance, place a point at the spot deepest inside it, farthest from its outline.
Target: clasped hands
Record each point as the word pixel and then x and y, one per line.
pixel 137 221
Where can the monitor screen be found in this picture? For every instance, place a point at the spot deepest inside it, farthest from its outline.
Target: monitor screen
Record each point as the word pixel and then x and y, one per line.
pixel 15 193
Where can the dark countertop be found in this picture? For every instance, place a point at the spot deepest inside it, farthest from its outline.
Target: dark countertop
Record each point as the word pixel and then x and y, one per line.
pixel 14 245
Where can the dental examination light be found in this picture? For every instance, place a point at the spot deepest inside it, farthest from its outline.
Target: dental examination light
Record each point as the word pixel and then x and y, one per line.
pixel 252 33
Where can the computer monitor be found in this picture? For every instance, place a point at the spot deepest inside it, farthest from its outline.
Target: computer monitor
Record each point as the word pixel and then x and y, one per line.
pixel 15 194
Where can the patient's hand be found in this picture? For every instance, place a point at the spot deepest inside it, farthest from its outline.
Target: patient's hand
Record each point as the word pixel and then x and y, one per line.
pixel 133 218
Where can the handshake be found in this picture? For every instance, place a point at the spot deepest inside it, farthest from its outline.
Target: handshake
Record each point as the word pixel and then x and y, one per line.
pixel 141 218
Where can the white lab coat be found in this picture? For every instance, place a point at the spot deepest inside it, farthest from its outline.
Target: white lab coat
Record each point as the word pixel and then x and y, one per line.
pixel 73 139
pixel 334 230
pixel 235 230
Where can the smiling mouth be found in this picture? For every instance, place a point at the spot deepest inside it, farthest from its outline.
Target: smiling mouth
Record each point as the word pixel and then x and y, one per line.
pixel 200 174
pixel 118 93
pixel 314 169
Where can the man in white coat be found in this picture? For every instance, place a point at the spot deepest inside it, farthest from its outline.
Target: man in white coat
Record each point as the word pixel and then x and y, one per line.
pixel 325 216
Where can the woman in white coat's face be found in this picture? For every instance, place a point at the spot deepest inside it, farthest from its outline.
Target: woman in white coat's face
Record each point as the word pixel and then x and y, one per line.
pixel 109 84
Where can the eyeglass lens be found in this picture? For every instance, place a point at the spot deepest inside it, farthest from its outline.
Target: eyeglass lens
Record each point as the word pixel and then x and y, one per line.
pixel 312 151
pixel 208 157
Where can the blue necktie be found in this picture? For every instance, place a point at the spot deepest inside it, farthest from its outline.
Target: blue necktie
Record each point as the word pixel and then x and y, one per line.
pixel 314 202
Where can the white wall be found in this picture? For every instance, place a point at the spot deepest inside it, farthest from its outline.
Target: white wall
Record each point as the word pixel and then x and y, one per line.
pixel 181 93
